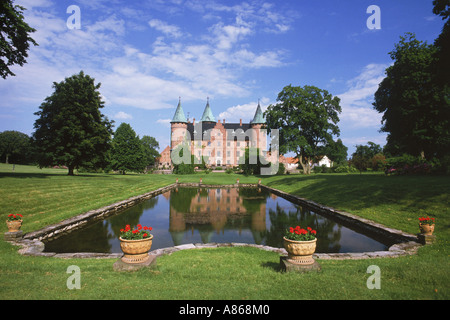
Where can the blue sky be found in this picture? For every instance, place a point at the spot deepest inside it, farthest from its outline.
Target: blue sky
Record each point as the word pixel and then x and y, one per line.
pixel 147 54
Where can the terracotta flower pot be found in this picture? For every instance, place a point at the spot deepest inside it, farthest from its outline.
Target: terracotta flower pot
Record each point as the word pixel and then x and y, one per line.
pixel 426 229
pixel 300 252
pixel 136 251
pixel 14 226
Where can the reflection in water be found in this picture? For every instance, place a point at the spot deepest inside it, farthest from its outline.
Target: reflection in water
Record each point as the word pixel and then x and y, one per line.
pixel 202 215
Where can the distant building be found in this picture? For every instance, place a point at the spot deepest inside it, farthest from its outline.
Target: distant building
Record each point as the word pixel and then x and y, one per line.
pixel 164 159
pixel 323 160
pixel 219 143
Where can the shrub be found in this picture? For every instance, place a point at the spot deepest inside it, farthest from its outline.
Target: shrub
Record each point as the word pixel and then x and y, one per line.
pixel 407 164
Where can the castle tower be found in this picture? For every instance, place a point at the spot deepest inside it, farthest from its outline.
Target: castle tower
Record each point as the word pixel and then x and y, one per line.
pixel 259 137
pixel 178 127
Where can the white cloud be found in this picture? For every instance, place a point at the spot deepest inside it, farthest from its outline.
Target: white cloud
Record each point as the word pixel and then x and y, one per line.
pixel 246 112
pixel 356 102
pixel 165 122
pixel 122 116
pixel 136 75
pixel 165 28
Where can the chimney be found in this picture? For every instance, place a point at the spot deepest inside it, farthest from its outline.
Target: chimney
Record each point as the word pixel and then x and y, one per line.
pixel 223 121
pixel 193 121
pixel 219 121
pixel 240 122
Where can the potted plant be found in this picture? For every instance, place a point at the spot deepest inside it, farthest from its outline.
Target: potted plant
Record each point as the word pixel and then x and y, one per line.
pixel 300 244
pixel 426 225
pixel 14 222
pixel 135 243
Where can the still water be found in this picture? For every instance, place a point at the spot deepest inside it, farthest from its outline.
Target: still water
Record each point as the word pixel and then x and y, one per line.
pixel 222 215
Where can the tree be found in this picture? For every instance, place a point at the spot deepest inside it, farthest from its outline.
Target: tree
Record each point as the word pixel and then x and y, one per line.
pixel 127 153
pixel 70 129
pixel 16 146
pixel 366 156
pixel 442 42
pixel 150 146
pixel 416 112
pixel 306 118
pixel 335 151
pixel 14 37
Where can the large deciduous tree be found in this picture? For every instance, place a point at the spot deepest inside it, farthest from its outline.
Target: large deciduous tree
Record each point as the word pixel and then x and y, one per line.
pixel 416 112
pixel 71 130
pixel 307 118
pixel 15 147
pixel 14 37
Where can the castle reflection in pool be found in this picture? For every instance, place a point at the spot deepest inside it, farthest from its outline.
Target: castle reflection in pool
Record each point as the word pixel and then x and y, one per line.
pixel 215 215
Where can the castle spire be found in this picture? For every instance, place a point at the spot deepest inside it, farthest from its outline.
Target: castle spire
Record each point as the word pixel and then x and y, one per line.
pixel 207 114
pixel 259 117
pixel 179 114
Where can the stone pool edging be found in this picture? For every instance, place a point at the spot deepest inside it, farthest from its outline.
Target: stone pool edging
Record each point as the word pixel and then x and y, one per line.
pixel 31 243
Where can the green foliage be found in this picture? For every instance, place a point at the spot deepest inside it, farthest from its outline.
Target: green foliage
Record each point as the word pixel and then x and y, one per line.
pixel 127 152
pixel 189 162
pixel 70 129
pixel 335 151
pixel 15 40
pixel 150 146
pixel 306 119
pixel 407 164
pixel 344 168
pixel 281 168
pixel 15 147
pixel 368 156
pixel 416 109
pixel 250 163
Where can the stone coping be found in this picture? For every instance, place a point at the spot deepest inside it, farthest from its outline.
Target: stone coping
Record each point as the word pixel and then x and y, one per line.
pixel 403 243
pixel 36 248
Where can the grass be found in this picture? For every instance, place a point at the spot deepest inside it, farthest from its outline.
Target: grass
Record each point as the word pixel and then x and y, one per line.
pixel 48 196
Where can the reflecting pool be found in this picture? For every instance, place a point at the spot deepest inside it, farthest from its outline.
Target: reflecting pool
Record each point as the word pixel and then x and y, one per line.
pixel 216 215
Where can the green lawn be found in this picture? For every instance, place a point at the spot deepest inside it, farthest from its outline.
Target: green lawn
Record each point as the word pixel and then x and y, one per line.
pixel 48 196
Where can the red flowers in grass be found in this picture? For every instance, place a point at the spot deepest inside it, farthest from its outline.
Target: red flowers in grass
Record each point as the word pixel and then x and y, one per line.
pixel 13 217
pixel 427 220
pixel 300 234
pixel 140 232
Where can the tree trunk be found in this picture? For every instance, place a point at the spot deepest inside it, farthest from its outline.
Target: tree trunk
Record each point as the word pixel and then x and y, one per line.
pixel 306 167
pixel 70 171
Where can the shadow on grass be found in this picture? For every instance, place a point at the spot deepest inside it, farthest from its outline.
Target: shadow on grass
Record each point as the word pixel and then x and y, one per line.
pixel 272 265
pixel 356 192
pixel 44 175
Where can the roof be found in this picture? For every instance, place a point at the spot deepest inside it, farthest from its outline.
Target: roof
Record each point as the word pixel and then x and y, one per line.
pixel 259 117
pixel 179 114
pixel 235 131
pixel 207 114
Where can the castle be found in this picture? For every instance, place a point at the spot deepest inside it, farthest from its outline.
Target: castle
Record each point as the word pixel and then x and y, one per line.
pixel 219 143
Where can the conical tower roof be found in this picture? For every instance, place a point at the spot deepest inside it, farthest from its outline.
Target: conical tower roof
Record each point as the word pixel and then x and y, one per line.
pixel 179 114
pixel 259 117
pixel 207 114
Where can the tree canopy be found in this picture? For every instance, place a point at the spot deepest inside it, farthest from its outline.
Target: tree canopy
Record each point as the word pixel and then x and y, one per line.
pixel 306 118
pixel 15 147
pixel 70 129
pixel 14 37
pixel 127 152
